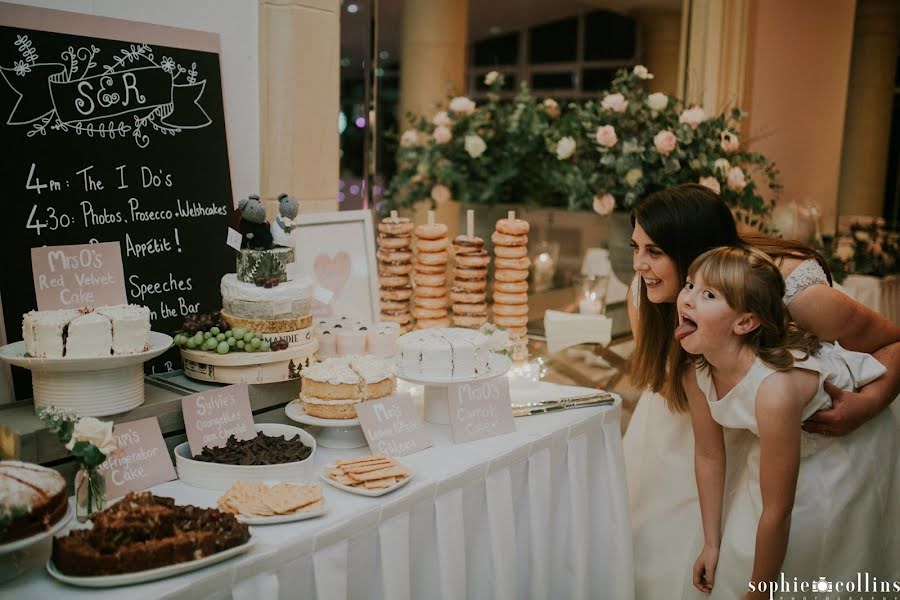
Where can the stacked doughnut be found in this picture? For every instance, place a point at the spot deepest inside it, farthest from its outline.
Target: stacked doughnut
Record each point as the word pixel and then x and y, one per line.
pixel 469 294
pixel 430 276
pixel 511 264
pixel 394 266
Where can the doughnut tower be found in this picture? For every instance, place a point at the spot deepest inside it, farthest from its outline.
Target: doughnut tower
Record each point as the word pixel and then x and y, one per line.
pixel 430 275
pixel 511 263
pixel 469 292
pixel 394 266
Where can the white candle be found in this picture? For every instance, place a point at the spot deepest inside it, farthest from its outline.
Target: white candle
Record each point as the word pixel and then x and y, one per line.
pixel 470 223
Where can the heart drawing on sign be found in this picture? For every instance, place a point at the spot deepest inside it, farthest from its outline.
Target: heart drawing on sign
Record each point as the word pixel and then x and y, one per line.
pixel 332 273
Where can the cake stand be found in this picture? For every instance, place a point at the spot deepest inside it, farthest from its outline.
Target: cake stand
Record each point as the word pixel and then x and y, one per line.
pixel 332 433
pixel 437 406
pixel 21 555
pixel 90 387
pixel 249 367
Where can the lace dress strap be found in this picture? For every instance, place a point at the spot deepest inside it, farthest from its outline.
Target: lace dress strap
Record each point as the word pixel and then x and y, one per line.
pixel 807 273
pixel 636 291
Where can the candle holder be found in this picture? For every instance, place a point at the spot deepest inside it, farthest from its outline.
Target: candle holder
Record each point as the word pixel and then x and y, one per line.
pixel 544 260
pixel 590 294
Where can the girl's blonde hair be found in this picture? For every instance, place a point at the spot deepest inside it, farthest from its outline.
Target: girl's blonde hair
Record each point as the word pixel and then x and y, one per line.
pixel 750 283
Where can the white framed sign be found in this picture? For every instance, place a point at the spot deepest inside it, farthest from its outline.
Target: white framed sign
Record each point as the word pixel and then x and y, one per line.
pixel 337 250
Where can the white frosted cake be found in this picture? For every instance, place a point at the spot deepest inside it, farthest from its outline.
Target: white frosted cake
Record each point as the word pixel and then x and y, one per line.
pixel 86 333
pixel 443 353
pixel 333 388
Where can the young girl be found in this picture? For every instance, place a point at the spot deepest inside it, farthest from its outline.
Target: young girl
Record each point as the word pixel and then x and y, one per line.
pixel 807 505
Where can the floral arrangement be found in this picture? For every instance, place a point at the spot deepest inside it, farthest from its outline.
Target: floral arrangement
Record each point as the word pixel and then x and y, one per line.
pixel 90 441
pixel 596 155
pixel 867 249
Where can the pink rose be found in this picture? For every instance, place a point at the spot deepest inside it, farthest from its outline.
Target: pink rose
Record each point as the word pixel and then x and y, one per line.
pixel 440 193
pixel 736 179
pixel 462 105
pixel 604 205
pixel 409 138
pixel 442 134
pixel 729 141
pixel 692 117
pixel 615 103
pixel 665 142
pixel 711 183
pixel 441 119
pixel 552 108
pixel 606 136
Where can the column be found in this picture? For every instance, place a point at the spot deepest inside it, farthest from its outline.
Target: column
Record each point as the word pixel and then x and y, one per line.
pixel 870 99
pixel 661 41
pixel 299 77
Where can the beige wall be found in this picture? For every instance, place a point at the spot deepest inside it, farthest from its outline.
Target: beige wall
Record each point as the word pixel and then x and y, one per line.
pixel 796 89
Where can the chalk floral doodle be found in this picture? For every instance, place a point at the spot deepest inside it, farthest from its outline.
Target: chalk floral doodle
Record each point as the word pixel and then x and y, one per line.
pixel 134 94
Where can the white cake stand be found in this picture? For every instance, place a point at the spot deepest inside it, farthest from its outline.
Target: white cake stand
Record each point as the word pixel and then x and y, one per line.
pixel 437 406
pixel 90 387
pixel 331 433
pixel 18 556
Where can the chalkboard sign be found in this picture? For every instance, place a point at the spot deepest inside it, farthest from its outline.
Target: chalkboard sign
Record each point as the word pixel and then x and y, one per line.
pixel 110 136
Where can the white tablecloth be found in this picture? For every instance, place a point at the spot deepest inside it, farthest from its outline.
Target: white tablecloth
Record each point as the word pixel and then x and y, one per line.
pixel 539 513
pixel 881 294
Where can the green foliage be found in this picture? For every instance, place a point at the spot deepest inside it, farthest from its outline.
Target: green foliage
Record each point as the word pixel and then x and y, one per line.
pixel 524 161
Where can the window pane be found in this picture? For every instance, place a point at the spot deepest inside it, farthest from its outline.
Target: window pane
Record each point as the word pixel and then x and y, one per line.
pixel 500 50
pixel 594 80
pixel 553 81
pixel 609 36
pixel 554 42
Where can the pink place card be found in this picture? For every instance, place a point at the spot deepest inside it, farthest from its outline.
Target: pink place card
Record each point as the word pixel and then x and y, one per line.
pixel 141 461
pixel 211 417
pixel 392 425
pixel 480 409
pixel 76 276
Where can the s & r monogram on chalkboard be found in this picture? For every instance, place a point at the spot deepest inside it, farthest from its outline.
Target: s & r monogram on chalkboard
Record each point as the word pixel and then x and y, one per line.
pixel 64 96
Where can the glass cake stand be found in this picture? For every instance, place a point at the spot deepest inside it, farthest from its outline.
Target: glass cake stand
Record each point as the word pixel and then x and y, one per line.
pixel 91 387
pixel 330 433
pixel 437 408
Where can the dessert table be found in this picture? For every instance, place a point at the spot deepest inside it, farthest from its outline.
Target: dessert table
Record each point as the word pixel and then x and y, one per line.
pixel 539 513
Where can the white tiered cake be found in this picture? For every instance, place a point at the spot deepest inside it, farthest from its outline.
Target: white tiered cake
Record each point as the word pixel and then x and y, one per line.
pixel 443 353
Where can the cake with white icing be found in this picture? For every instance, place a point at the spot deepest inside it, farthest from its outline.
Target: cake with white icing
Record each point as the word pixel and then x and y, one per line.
pixel 333 388
pixel 86 332
pixel 443 354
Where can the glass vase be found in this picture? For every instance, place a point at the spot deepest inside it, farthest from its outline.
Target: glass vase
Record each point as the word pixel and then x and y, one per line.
pixel 90 492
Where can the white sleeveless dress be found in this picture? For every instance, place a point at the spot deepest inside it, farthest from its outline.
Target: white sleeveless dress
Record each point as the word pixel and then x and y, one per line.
pixel 659 463
pixel 843 501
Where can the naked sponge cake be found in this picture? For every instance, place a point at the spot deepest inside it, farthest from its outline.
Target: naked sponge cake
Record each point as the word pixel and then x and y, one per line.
pixel 87 332
pixel 32 499
pixel 143 531
pixel 333 388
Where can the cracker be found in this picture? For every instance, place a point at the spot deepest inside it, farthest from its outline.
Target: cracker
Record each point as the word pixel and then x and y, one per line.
pixel 380 484
pixel 396 471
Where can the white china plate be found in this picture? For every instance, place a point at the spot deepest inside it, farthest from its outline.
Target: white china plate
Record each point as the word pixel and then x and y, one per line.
pixel 294 411
pixel 25 542
pixel 14 354
pixel 276 519
pixel 106 581
pixel 363 491
pixel 497 365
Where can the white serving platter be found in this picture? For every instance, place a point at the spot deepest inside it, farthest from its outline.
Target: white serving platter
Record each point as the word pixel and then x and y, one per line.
pixel 362 491
pixel 17 545
pixel 14 354
pixel 214 476
pixel 107 581
pixel 276 519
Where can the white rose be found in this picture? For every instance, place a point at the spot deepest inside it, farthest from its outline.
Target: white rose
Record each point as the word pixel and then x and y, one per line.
pixel 440 193
pixel 409 138
pixel 657 101
pixel 641 72
pixel 565 148
pixel 552 108
pixel 721 166
pixel 606 136
pixel 844 252
pixel 442 134
pixel 692 117
pixel 604 205
pixel 442 118
pixel 498 341
pixel 475 146
pixel 633 176
pixel 491 77
pixel 729 142
pixel 711 183
pixel 736 179
pixel 462 105
pixel 615 103
pixel 96 432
